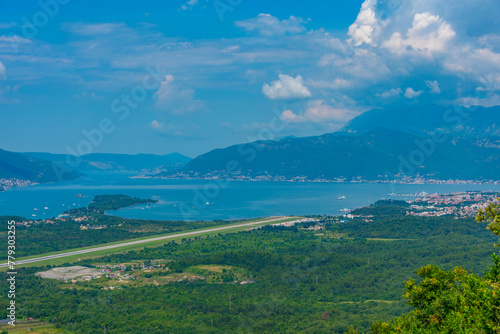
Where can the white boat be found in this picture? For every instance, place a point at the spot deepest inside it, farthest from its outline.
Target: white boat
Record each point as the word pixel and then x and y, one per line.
pixel 341 197
pixel 45 208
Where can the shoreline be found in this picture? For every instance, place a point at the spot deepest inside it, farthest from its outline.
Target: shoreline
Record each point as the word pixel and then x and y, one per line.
pixel 416 181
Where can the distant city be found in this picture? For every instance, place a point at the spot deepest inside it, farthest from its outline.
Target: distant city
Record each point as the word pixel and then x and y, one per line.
pixel 240 177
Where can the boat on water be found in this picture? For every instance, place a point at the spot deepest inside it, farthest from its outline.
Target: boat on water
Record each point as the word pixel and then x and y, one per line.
pixel 35 209
pixel 341 197
pixel 45 208
pixel 78 195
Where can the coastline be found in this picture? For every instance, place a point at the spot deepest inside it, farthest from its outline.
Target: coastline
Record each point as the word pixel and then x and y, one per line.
pixel 305 180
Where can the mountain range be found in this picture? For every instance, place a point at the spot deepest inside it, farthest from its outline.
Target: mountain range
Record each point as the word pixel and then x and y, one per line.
pixel 21 167
pixel 421 121
pixel 116 162
pixel 428 141
pixel 42 167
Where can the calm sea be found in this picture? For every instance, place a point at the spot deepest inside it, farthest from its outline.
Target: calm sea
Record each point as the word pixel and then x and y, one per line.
pixel 208 200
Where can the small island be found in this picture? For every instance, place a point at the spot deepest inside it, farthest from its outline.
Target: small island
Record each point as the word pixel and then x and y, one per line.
pixel 102 203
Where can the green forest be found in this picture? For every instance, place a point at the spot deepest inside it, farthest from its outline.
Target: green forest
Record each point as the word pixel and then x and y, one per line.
pixel 331 278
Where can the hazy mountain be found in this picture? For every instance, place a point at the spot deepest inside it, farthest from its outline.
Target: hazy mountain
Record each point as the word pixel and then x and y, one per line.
pixel 116 162
pixel 377 143
pixel 474 122
pixel 14 165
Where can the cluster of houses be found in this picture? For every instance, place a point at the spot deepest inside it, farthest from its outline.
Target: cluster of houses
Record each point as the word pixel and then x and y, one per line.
pixel 298 221
pixel 93 227
pixel 463 204
pixel 12 183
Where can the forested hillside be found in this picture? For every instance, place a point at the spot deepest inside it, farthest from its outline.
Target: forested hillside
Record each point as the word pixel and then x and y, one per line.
pixel 322 279
pixel 18 166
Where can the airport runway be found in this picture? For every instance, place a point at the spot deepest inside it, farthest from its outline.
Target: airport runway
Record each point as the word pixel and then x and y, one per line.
pixel 137 242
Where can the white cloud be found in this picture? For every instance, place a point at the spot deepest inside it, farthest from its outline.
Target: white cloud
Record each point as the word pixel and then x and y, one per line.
pixel 254 75
pixel 366 25
pixel 228 125
pixel 479 62
pixel 14 39
pixel 429 33
pixel 490 101
pixel 490 41
pixel 268 25
pixel 169 97
pixel 189 5
pixel 156 125
pixel 171 130
pixel 319 112
pixel 3 71
pixel 330 84
pixel 361 64
pixel 94 29
pixel 390 93
pixel 286 88
pixel 411 94
pixel 434 86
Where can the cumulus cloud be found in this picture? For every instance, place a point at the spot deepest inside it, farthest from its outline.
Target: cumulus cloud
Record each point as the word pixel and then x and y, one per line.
pixel 177 101
pixel 391 93
pixel 429 33
pixel 366 25
pixel 318 112
pixel 479 63
pixel 286 88
pixel 268 25
pixel 411 94
pixel 434 86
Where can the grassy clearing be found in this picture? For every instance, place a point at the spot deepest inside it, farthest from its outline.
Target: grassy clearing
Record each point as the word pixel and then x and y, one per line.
pixel 154 243
pixel 385 239
pixel 32 327
pixel 371 300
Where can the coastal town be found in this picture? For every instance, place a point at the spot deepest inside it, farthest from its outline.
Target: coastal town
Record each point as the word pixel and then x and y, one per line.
pixel 14 183
pixel 224 175
pixel 462 204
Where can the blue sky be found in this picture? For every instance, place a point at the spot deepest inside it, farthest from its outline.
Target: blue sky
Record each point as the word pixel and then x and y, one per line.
pixel 192 75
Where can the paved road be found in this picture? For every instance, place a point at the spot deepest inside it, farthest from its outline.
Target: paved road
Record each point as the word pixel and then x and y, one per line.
pixel 129 243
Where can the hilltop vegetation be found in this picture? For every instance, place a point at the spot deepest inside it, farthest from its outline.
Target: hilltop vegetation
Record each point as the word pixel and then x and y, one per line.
pixel 454 301
pixel 321 280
